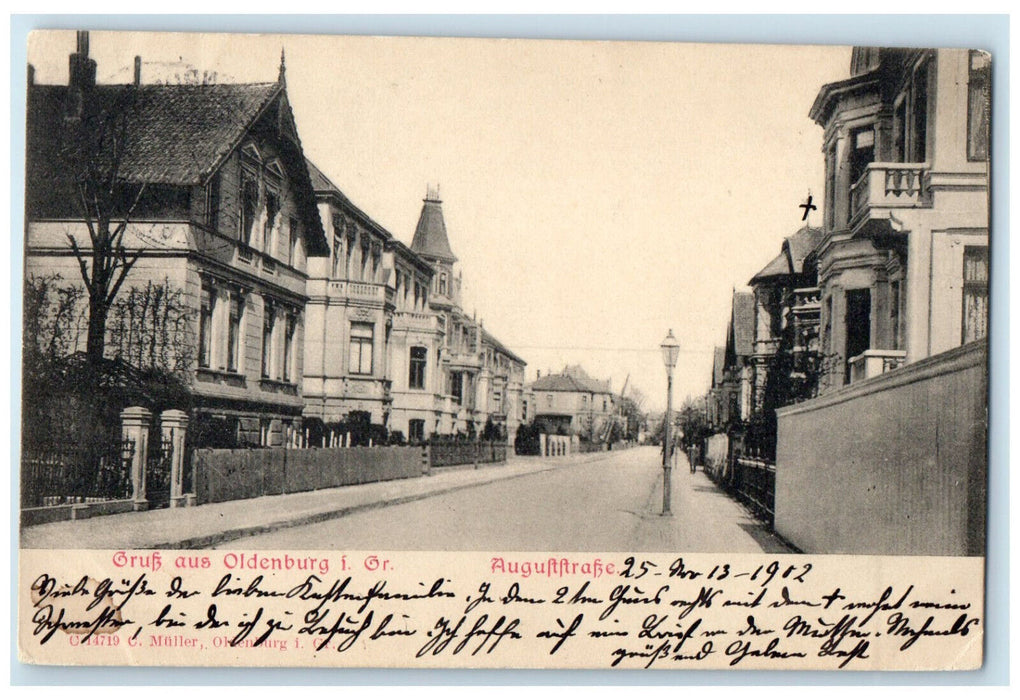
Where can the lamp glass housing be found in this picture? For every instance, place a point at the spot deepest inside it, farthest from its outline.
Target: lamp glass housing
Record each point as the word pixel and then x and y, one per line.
pixel 670 350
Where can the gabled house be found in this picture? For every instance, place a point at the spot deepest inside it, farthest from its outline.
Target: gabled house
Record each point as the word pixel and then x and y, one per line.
pixel 903 260
pixel 225 221
pixel 573 403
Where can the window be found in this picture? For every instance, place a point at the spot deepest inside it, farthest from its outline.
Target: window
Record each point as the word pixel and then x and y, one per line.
pixel 338 249
pixel 416 430
pixel 548 399
pixel 457 387
pixel 265 432
pixel 292 243
pixel 361 348
pixel 442 284
pixel 900 131
pixel 212 202
pixel 288 348
pixel 918 136
pixel 858 324
pixel 338 243
pixel 365 245
pixel 827 331
pixel 416 377
pixel 205 332
pixel 863 145
pixel 268 321
pixel 272 210
pixel 830 189
pixel 975 293
pixel 235 337
pixel 249 204
pixel 894 313
pixel 978 104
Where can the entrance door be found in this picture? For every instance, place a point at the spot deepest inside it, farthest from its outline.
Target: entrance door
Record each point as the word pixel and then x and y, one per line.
pixel 858 324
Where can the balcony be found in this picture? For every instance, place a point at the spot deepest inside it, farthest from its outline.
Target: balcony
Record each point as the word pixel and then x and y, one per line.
pixel 885 187
pixel 367 291
pixel 412 320
pixel 872 363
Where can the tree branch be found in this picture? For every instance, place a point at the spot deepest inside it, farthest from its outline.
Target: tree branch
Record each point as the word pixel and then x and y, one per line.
pixel 81 261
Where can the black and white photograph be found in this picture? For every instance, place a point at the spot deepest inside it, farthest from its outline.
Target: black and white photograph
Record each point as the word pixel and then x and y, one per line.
pixel 450 294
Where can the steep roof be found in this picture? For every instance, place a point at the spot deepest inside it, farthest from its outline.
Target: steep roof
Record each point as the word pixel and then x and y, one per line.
pixel 430 237
pixel 742 323
pixel 718 365
pixel 175 135
pixel 778 267
pixel 492 340
pixel 324 187
pixel 790 260
pixel 800 245
pixel 569 382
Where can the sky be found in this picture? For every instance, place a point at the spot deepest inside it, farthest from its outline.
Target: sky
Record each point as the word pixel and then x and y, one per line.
pixel 596 194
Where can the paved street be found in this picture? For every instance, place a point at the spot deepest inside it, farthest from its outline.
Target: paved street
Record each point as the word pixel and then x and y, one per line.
pixel 608 504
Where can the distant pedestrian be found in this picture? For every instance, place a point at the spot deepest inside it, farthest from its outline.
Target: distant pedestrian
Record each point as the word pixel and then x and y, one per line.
pixel 693 455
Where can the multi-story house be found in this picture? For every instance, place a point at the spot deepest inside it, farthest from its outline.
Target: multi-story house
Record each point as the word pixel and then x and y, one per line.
pixel 573 403
pixel 224 220
pixel 785 332
pixel 903 260
pixel 480 380
pixel 387 340
pixel 371 343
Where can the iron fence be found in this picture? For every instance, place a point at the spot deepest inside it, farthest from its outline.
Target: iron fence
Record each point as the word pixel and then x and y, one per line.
pixel 54 475
pixel 754 483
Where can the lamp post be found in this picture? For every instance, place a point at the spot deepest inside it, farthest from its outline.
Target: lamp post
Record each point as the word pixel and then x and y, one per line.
pixel 670 350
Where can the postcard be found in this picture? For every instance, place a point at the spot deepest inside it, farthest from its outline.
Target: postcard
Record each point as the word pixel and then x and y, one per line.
pixel 407 352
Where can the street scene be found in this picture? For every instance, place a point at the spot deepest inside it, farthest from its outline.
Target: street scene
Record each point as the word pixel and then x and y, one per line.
pixel 592 296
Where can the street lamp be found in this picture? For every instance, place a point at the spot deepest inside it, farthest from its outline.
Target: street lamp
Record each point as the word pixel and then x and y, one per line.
pixel 670 350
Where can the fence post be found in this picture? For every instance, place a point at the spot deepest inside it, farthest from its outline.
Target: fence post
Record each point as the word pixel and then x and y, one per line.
pixel 174 426
pixel 134 424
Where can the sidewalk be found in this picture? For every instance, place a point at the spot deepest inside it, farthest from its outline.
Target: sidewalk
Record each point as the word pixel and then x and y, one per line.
pixel 207 525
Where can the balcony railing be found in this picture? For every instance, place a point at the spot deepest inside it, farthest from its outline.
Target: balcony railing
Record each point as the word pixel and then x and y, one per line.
pixel 356 290
pixel 872 363
pixel 806 299
pixel 889 185
pixel 414 320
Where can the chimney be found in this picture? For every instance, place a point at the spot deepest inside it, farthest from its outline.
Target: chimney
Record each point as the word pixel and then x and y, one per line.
pixel 538 374
pixel 31 74
pixel 138 71
pixel 81 68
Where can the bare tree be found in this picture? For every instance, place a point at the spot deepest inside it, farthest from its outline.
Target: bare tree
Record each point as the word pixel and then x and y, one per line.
pixel 95 143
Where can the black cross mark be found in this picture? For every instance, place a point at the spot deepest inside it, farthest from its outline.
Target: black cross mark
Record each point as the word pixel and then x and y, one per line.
pixel 807 207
